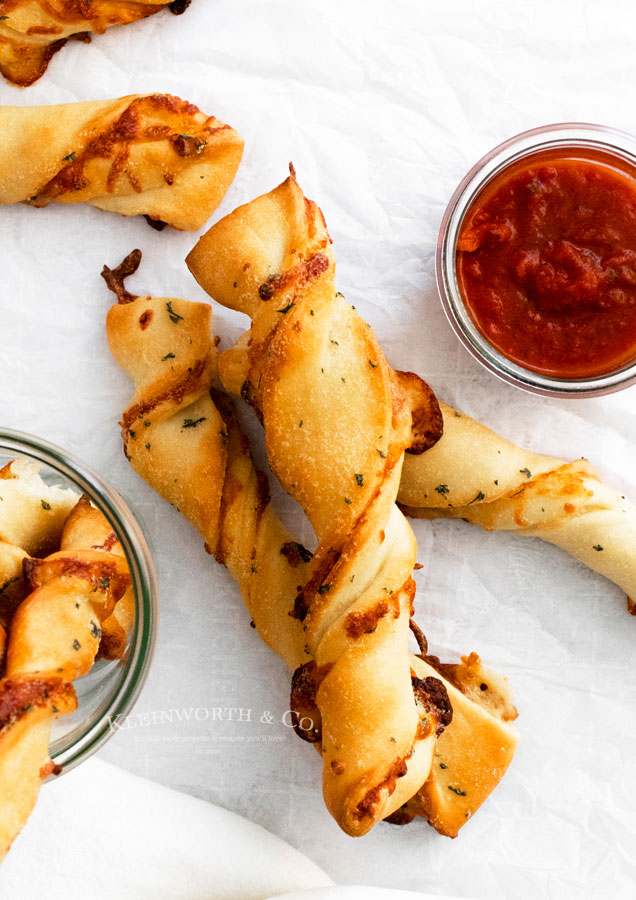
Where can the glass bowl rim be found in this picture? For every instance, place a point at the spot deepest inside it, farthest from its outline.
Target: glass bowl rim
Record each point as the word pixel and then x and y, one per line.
pixel 566 134
pixel 142 641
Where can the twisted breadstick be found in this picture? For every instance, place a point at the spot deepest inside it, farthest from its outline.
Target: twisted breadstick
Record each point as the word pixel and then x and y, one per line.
pixel 193 453
pixel 32 516
pixel 32 31
pixel 54 638
pixel 337 422
pixel 474 474
pixel 152 154
pixel 189 447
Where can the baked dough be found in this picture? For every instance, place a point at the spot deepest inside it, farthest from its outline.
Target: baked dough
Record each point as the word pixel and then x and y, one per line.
pixel 337 422
pixel 152 154
pixel 54 637
pixel 189 447
pixel 474 474
pixel 32 31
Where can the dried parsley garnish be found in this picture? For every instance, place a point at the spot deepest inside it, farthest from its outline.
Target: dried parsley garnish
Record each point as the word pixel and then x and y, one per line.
pixel 174 317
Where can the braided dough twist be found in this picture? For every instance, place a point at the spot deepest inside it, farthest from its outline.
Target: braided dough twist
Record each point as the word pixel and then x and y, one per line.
pixel 153 154
pixel 474 474
pixel 32 31
pixel 54 638
pixel 337 423
pixel 189 447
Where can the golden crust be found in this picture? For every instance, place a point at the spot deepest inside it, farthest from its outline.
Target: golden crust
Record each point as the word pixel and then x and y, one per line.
pixel 207 471
pixel 32 31
pixel 337 422
pixel 154 155
pixel 476 475
pixel 53 638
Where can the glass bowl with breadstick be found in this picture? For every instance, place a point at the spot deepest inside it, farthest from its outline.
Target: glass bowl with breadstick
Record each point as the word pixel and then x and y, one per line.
pixel 78 612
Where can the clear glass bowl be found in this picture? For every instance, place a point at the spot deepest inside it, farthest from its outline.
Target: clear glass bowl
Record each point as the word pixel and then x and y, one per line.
pixel 110 689
pixel 571 136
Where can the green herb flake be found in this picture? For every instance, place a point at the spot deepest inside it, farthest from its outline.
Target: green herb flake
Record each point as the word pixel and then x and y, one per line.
pixel 347 500
pixel 597 547
pixel 359 479
pixel 174 317
pixel 383 455
pixel 373 364
pixel 457 791
pixel 192 423
pixel 96 631
pixel 286 309
pixel 76 644
pixel 45 505
pixel 526 472
pixel 480 496
pixel 147 446
pixel 9 582
pixel 442 489
pixel 70 157
pixel 324 588
pixel 104 583
pixel 443 766
pixel 167 356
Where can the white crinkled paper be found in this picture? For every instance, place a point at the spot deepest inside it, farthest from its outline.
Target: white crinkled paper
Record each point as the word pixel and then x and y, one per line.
pixel 382 107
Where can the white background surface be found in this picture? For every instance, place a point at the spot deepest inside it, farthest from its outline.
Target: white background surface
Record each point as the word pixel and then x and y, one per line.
pixel 382 107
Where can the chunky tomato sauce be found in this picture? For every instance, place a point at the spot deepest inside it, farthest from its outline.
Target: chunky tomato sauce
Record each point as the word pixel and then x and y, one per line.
pixel 546 263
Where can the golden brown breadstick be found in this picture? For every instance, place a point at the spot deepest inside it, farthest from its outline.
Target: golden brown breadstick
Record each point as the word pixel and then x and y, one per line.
pixel 54 638
pixel 189 447
pixel 153 154
pixel 474 474
pixel 32 31
pixel 337 422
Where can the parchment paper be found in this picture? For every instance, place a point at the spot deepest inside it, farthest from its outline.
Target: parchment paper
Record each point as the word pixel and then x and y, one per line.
pixel 382 107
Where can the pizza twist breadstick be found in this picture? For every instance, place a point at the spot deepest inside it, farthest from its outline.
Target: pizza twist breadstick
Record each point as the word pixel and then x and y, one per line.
pixel 54 638
pixel 192 452
pixel 32 31
pixel 337 422
pixel 474 474
pixel 189 447
pixel 154 155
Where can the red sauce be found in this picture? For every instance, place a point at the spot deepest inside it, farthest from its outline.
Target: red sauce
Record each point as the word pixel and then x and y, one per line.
pixel 546 263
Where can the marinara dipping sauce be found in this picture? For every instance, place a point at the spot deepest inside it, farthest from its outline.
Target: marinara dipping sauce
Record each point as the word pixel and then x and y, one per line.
pixel 546 262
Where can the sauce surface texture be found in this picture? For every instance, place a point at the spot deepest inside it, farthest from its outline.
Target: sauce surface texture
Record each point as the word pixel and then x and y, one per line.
pixel 546 263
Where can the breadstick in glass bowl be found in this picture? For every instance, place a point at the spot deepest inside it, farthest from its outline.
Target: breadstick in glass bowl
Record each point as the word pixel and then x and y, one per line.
pixel 77 618
pixel 146 154
pixel 33 31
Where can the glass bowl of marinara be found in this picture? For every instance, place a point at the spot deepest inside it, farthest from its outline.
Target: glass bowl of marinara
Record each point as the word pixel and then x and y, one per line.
pixel 536 260
pixel 107 693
